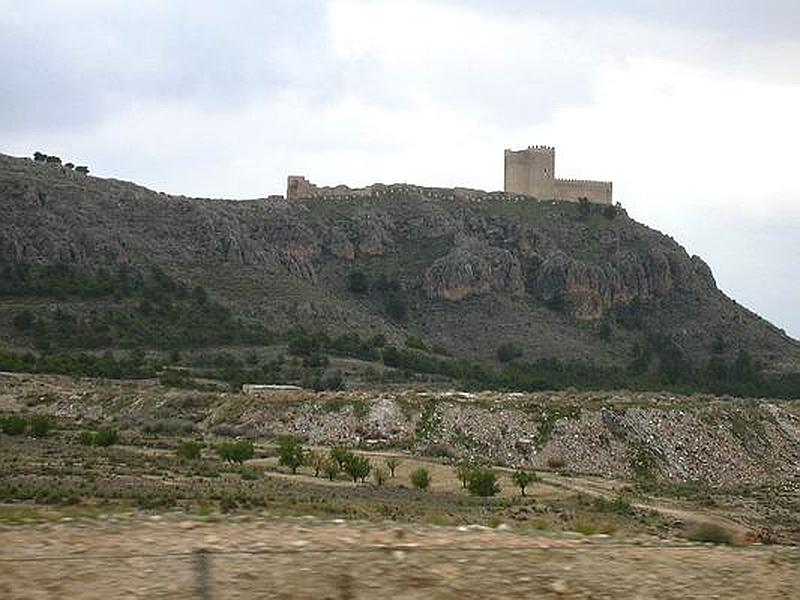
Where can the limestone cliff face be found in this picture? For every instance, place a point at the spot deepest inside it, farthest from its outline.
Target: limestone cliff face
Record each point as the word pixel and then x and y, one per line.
pixel 473 271
pixel 453 253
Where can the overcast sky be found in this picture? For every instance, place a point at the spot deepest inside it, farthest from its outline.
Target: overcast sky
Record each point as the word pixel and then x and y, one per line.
pixel 691 107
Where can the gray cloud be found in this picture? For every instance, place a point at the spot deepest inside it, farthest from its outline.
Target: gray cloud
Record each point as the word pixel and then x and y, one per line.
pixel 66 65
pixel 742 19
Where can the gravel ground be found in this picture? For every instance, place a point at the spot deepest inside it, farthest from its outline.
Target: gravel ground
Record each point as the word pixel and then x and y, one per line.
pixel 307 558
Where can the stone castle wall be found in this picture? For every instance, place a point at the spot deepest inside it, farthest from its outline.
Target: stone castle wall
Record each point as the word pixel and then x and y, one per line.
pixel 532 172
pixel 575 189
pixel 527 173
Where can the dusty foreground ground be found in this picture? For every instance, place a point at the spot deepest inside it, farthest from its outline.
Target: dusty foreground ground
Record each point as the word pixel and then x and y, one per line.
pixel 308 558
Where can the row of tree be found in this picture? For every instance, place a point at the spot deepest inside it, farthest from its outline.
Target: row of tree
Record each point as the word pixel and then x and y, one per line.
pixel 480 480
pixel 55 160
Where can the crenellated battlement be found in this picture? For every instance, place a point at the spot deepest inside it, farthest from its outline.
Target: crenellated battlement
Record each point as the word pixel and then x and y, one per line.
pixel 587 181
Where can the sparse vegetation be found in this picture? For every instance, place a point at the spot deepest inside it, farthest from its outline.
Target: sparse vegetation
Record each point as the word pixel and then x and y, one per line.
pixel 189 450
pixel 379 476
pixel 105 437
pixel 483 482
pixel 235 451
pixel 420 478
pixel 709 533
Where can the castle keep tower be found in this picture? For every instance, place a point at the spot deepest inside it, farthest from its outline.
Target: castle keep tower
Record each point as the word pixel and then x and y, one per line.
pixel 532 172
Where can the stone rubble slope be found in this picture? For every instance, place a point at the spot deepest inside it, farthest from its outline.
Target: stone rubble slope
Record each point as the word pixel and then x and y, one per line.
pixel 719 441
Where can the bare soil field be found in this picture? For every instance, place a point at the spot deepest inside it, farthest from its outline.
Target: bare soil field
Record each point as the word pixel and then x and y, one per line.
pixel 260 557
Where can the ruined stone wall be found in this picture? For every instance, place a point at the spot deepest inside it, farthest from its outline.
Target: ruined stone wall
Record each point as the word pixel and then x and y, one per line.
pixel 573 190
pixel 298 187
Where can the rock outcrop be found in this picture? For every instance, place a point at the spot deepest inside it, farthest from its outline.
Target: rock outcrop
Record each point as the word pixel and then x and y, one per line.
pixel 476 265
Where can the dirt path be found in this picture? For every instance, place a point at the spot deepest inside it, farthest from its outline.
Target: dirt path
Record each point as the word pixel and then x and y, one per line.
pixel 306 558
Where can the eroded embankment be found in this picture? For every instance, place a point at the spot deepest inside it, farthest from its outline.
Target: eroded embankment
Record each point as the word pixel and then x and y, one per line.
pixel 718 441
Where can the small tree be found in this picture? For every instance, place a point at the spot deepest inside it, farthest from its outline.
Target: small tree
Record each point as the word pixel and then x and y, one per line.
pixel 340 455
pixel 331 468
pixel 392 463
pixel 463 472
pixel 39 157
pixel 290 453
pixel 358 467
pixel 189 450
pixel 316 460
pixel 523 479
pixel 483 482
pixel 379 476
pixel 421 478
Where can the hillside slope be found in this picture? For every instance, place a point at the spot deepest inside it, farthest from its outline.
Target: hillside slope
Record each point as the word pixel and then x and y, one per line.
pixel 465 271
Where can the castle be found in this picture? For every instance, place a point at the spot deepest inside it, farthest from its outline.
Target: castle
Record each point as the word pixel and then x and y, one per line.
pixel 532 172
pixel 529 172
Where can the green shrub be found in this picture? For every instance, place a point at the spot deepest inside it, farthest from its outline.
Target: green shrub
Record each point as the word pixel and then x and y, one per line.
pixel 709 533
pixel 483 482
pixel 290 453
pixel 14 425
pixel 508 351
pixel 40 425
pixel 189 450
pixel 105 438
pixel 236 451
pixel 421 478
pixel 86 438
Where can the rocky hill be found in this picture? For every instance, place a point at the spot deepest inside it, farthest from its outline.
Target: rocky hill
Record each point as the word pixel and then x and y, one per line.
pixel 463 271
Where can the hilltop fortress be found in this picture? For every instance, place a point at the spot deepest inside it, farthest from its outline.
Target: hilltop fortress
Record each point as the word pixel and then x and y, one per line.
pixel 532 172
pixel 528 173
